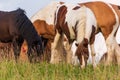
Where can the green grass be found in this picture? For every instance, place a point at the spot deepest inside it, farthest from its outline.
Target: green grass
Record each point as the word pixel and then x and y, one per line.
pixel 9 70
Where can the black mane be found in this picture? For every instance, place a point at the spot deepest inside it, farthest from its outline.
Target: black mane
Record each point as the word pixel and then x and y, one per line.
pixel 20 11
pixel 25 27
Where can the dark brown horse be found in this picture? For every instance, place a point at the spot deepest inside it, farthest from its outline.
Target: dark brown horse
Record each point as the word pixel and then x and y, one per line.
pixel 15 27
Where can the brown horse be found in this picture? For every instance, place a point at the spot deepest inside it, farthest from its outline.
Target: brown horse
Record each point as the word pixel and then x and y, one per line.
pixel 15 27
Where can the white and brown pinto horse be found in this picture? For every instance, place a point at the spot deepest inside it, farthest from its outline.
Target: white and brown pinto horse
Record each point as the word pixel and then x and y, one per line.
pixel 82 22
pixel 73 20
pixel 108 18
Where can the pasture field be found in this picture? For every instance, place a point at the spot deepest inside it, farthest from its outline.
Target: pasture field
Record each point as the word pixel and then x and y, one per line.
pixel 9 70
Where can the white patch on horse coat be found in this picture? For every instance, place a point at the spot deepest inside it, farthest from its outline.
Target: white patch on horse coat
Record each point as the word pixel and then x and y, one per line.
pixel 47 13
pixel 90 21
pixel 83 62
pixel 71 18
pixel 74 16
pixel 74 60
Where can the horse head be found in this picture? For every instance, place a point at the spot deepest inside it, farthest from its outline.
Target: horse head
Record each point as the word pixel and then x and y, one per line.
pixel 82 52
pixel 38 46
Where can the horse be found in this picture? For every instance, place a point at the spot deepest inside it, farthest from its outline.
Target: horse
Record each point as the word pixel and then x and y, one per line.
pixel 108 26
pixel 16 27
pixel 104 58
pixel 68 22
pixel 81 23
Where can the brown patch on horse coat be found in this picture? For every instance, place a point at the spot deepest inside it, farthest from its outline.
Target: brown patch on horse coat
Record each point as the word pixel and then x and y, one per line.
pixel 44 29
pixel 92 38
pixel 77 7
pixel 104 15
pixel 61 25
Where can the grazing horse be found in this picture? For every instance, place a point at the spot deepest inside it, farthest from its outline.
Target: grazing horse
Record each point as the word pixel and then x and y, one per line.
pixel 15 27
pixel 71 20
pixel 104 58
pixel 82 23
pixel 107 20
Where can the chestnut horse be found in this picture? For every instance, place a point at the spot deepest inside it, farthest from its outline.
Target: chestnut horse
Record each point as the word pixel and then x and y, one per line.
pixel 15 27
pixel 82 23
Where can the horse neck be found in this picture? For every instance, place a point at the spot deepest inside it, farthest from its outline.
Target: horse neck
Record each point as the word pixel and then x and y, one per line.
pixel 27 30
pixel 80 28
pixel 80 33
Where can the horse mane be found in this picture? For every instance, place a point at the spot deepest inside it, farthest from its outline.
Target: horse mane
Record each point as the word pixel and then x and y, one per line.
pixel 25 27
pixel 20 11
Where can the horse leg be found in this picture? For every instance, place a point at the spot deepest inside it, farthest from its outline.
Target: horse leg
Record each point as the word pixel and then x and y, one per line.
pixel 55 46
pixel 69 53
pixel 110 43
pixel 93 55
pixel 17 43
pixel 90 36
pixel 16 49
pixel 29 53
pixel 117 53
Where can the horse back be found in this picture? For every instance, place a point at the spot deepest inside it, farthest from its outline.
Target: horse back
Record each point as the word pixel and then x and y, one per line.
pixel 102 12
pixel 8 25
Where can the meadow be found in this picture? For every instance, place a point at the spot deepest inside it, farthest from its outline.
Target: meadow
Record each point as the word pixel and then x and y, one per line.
pixel 10 70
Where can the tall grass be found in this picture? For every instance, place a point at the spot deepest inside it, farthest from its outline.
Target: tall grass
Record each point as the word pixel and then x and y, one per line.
pixel 9 70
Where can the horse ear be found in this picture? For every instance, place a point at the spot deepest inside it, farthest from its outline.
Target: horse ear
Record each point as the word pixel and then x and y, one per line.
pixel 76 44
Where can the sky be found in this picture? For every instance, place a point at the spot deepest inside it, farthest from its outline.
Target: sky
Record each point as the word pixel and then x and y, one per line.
pixel 32 6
